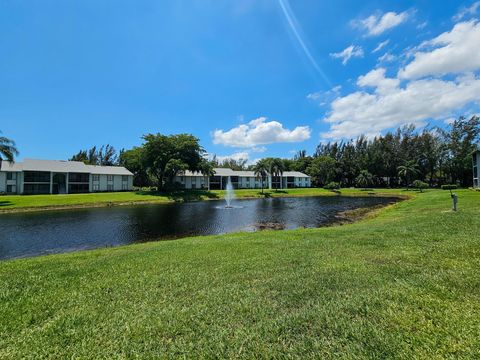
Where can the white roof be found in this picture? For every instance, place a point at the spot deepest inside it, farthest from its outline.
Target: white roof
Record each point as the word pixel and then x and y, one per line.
pixel 295 174
pixel 63 166
pixel 10 166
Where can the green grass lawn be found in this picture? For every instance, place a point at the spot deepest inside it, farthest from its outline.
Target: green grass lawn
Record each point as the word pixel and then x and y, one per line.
pixel 404 284
pixel 26 202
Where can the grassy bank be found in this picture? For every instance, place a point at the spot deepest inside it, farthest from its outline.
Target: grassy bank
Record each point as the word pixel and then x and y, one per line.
pixel 35 202
pixel 404 284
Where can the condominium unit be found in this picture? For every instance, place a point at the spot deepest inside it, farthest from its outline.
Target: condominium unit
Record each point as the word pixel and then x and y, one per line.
pixel 476 166
pixel 241 180
pixel 61 177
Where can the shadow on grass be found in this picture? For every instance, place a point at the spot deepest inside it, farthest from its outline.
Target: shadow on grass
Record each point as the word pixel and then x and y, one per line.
pixel 270 193
pixel 6 203
pixel 182 195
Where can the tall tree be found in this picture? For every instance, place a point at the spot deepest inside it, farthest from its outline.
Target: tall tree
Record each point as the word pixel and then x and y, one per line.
pixel 166 155
pixel 407 171
pixel 260 170
pixel 322 169
pixel 8 150
pixel 276 167
pixel 364 179
pixel 133 161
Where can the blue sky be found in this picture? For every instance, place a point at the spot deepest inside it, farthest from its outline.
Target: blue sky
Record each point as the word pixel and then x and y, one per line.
pixel 249 78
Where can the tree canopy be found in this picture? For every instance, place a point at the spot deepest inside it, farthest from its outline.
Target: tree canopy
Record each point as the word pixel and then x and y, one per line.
pixel 8 150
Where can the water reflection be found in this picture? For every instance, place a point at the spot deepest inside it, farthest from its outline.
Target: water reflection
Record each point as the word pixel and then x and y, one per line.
pixel 31 234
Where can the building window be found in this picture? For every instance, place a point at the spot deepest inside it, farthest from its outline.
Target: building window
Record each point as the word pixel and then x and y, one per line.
pixel 124 186
pixel 95 177
pixel 96 187
pixel 78 177
pixel 11 189
pixel 11 176
pixel 109 177
pixel 77 188
pixel 36 176
pixel 124 178
pixel 109 187
pixel 29 189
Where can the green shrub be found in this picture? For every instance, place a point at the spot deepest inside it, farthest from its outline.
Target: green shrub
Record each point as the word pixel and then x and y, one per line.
pixel 420 185
pixel 332 186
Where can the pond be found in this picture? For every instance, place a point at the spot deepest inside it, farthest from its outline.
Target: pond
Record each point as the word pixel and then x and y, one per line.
pixel 39 233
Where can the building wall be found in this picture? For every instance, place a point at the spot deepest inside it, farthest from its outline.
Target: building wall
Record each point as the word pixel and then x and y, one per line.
pixel 3 181
pixel 244 182
pixel 476 170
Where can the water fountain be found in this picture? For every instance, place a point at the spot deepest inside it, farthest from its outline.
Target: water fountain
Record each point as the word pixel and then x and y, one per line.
pixel 229 194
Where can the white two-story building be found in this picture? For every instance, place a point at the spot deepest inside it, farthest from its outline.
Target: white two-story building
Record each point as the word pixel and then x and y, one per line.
pixel 61 177
pixel 476 167
pixel 241 180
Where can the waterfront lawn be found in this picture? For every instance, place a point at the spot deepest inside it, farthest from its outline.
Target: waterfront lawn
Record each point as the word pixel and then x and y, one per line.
pixel 27 202
pixel 404 284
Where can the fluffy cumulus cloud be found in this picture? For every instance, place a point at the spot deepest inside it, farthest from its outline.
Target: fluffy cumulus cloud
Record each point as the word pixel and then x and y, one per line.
pixel 436 84
pixel 390 105
pixel 348 53
pixel 454 51
pixel 260 132
pixel 379 23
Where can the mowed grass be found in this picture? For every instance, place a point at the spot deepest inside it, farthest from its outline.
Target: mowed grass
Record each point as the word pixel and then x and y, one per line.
pixel 404 284
pixel 26 202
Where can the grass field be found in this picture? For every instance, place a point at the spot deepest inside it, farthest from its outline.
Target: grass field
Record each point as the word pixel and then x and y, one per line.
pixel 32 202
pixel 404 284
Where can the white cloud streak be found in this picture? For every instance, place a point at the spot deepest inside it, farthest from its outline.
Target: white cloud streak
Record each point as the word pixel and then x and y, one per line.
pixel 348 53
pixel 381 45
pixel 466 11
pixel 296 30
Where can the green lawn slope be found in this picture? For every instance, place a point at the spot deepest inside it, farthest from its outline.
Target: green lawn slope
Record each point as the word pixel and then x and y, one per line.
pixel 404 284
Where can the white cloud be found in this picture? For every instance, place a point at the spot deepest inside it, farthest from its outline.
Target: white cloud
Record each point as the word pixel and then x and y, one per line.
pixel 378 24
pixel 422 25
pixel 258 149
pixel 467 11
pixel 381 45
pixel 454 51
pixel 387 57
pixel 440 81
pixel 391 105
pixel 260 132
pixel 325 97
pixel 348 53
pixel 241 155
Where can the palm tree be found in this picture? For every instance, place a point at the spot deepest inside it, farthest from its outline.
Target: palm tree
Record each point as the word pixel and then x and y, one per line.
pixel 406 171
pixel 364 179
pixel 261 170
pixel 277 167
pixel 206 168
pixel 7 149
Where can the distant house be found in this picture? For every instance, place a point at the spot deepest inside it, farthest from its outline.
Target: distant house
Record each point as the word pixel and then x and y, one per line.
pixel 61 177
pixel 241 180
pixel 476 166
